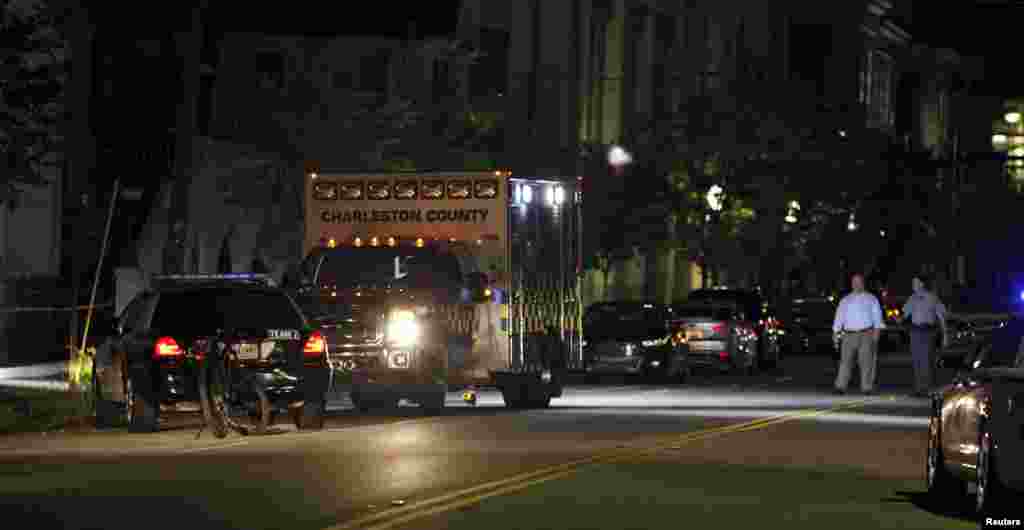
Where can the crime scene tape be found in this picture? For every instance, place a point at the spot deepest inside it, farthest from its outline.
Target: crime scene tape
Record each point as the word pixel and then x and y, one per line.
pixel 53 309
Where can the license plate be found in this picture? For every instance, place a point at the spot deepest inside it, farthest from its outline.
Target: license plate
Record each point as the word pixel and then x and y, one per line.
pixel 248 352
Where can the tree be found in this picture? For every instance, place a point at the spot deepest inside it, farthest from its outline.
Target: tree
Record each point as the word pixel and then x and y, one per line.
pixel 33 75
pixel 405 130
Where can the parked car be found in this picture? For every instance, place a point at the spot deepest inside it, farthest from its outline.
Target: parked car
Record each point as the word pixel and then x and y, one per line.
pixel 974 433
pixel 966 336
pixel 631 338
pixel 809 329
pixel 161 335
pixel 719 336
pixel 768 329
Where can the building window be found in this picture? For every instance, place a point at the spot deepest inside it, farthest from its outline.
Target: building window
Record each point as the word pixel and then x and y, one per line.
pixel 440 79
pixel 864 72
pixel 880 94
pixel 489 75
pixel 270 70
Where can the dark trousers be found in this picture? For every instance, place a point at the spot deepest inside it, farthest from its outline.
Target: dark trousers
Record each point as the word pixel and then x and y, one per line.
pixel 922 344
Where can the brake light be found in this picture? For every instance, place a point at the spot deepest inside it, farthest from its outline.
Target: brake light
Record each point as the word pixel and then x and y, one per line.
pixel 718 329
pixel 315 345
pixel 166 347
pixel 723 356
pixel 199 348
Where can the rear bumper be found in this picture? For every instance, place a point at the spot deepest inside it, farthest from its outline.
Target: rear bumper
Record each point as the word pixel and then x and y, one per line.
pixel 709 360
pixel 656 359
pixel 180 384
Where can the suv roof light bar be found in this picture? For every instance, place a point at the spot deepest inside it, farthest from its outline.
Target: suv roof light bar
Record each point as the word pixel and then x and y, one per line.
pixel 235 276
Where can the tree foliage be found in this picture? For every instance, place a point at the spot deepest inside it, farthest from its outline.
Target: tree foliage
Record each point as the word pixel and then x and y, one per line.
pixel 33 75
pixel 414 130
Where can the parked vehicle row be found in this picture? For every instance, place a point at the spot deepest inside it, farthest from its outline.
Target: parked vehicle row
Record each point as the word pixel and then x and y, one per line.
pixel 723 330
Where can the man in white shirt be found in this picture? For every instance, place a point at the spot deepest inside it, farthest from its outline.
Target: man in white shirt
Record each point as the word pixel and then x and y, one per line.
pixel 859 320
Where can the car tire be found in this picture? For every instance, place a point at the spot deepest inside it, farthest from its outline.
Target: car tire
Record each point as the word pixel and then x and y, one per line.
pixel 682 373
pixel 769 363
pixel 991 497
pixel 942 485
pixel 143 404
pixel 514 397
pixel 434 405
pixel 541 403
pixel 360 403
pixel 211 401
pixel 310 416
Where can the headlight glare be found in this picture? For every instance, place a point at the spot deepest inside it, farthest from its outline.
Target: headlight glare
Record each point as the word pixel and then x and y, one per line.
pixel 403 332
pixel 655 343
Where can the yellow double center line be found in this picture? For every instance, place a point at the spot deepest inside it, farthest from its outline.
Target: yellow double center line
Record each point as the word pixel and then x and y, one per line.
pixel 473 495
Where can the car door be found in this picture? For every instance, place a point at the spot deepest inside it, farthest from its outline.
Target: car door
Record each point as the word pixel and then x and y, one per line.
pixel 1008 423
pixel 959 439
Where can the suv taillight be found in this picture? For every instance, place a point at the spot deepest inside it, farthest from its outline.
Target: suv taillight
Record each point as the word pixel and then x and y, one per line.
pixel 718 330
pixel 166 347
pixel 315 345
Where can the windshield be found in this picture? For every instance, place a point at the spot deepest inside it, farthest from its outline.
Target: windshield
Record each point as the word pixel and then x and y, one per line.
pixel 712 312
pixel 748 301
pixel 205 311
pixel 1005 350
pixel 401 266
pixel 625 322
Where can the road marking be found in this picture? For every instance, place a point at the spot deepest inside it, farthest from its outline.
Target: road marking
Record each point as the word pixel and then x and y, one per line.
pixel 475 494
pixel 212 447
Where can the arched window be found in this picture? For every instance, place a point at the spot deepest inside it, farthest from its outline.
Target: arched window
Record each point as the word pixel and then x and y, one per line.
pixel 224 259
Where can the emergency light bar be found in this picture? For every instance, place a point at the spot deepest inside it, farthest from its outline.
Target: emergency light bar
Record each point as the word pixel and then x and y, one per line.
pixel 265 279
pixel 392 241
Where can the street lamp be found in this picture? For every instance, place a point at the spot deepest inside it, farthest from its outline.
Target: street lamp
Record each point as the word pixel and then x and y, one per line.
pixel 852 226
pixel 1012 117
pixel 794 207
pixel 618 156
pixel 715 197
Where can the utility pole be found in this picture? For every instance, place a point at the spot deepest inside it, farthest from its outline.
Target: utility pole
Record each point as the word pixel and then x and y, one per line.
pixel 189 44
pixel 82 145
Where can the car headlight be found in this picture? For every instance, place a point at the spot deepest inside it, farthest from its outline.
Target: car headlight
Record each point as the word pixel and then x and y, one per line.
pixel 398 360
pixel 655 343
pixel 402 328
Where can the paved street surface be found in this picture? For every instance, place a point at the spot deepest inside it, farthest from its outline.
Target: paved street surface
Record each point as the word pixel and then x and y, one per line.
pixel 726 451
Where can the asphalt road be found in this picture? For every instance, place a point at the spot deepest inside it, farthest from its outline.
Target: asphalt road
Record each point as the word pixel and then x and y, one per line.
pixel 361 467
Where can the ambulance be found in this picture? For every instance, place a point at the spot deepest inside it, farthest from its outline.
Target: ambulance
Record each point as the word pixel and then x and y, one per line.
pixel 430 282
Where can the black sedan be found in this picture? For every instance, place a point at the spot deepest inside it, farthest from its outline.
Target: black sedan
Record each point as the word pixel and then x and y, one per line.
pixel 976 430
pixel 158 340
pixel 631 338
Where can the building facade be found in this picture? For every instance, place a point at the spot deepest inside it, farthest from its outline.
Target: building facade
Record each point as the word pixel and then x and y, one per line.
pixel 586 75
pixel 340 102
